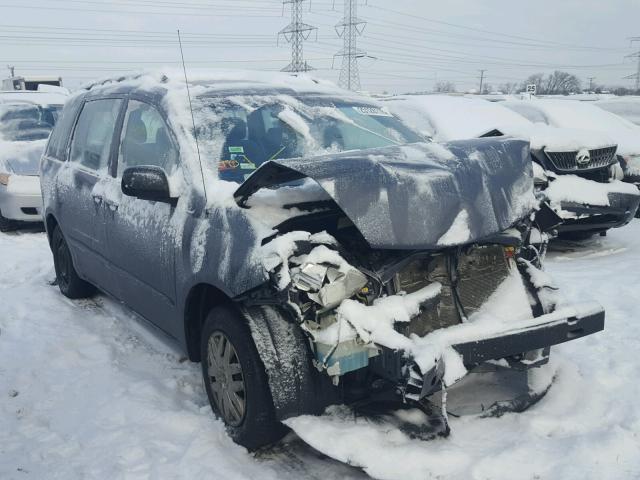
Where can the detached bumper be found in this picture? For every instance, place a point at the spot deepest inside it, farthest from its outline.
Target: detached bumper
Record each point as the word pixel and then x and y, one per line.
pixel 534 334
pixel 532 338
pixel 621 210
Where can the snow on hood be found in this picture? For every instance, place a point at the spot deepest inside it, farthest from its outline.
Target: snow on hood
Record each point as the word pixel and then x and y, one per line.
pixel 21 158
pixel 587 117
pixel 413 196
pixel 448 118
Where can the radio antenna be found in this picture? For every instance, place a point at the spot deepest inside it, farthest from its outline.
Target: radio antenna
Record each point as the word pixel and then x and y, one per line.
pixel 193 120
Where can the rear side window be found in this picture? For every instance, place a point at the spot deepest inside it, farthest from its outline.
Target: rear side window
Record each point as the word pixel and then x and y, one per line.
pixel 59 139
pixel 146 139
pixel 91 143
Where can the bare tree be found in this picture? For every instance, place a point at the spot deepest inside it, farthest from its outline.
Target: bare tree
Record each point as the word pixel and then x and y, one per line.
pixel 509 87
pixel 536 79
pixel 562 83
pixel 444 87
pixel 557 83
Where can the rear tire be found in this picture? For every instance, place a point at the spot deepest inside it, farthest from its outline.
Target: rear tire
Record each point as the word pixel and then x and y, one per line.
pixel 236 382
pixel 70 284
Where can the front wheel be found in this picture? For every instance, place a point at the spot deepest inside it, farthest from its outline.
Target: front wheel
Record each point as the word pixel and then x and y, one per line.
pixel 6 225
pixel 70 284
pixel 236 381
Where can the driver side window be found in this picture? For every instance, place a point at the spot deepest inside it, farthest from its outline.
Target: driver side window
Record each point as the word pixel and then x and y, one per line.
pixel 146 140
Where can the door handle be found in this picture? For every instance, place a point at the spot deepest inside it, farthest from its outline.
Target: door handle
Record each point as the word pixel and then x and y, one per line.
pixel 97 199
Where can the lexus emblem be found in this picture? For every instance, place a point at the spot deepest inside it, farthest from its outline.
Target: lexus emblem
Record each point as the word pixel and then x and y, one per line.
pixel 583 158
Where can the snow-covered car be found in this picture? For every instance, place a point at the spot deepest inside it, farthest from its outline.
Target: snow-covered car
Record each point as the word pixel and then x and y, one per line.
pixel 577 169
pixel 625 107
pixel 586 116
pixel 24 129
pixel 300 242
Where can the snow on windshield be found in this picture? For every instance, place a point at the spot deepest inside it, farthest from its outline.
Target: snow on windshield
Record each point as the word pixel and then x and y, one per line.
pixel 240 133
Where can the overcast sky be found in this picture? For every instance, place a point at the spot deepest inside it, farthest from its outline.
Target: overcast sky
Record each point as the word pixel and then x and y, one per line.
pixel 412 43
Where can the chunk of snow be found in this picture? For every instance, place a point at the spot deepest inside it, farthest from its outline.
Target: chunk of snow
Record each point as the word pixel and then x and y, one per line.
pixel 459 231
pixel 571 188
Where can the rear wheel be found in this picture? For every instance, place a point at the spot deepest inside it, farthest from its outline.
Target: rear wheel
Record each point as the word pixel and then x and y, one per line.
pixel 236 381
pixel 70 284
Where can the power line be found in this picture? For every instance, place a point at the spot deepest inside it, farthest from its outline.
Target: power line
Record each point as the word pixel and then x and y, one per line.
pixel 349 29
pixel 296 33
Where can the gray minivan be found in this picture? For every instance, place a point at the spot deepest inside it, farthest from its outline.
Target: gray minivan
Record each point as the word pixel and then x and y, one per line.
pixel 301 242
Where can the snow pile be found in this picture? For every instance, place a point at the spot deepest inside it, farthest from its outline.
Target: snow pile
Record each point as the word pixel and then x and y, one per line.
pixel 571 188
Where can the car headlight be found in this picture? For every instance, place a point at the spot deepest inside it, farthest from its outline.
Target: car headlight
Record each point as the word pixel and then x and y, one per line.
pixel 4 178
pixel 616 172
pixel 540 179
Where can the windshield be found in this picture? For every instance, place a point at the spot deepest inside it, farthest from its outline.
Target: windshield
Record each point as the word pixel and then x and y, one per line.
pixel 24 122
pixel 243 133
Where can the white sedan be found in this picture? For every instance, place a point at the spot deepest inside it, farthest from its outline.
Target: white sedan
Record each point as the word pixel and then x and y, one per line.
pixel 24 129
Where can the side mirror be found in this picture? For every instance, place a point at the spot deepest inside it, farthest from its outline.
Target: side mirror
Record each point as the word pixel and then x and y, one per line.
pixel 147 182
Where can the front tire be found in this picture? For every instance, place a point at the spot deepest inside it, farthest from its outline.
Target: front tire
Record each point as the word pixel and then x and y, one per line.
pixel 6 225
pixel 236 381
pixel 70 284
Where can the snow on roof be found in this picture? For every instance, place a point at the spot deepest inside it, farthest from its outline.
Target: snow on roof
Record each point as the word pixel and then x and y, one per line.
pixel 449 118
pixel 588 117
pixel 34 97
pixel 224 80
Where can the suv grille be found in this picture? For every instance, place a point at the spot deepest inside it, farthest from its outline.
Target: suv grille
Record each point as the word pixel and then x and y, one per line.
pixel 568 161
pixel 480 271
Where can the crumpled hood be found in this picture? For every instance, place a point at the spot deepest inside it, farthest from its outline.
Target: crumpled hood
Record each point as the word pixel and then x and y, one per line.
pixel 420 196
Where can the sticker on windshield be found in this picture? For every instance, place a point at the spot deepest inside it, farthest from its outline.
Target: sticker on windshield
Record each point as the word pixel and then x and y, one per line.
pixel 236 150
pixel 372 111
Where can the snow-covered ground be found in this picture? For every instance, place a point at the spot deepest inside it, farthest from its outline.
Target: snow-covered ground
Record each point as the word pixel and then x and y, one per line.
pixel 88 391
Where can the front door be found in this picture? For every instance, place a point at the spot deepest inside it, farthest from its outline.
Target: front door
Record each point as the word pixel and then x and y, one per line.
pixel 81 212
pixel 140 233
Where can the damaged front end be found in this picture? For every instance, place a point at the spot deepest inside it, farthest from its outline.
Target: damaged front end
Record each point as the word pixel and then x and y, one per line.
pixel 398 319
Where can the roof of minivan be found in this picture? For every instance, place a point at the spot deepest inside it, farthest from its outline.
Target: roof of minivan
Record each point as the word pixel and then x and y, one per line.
pixel 220 82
